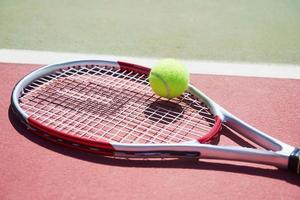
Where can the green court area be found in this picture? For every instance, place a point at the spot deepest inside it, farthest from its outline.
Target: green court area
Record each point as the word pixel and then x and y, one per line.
pixel 221 30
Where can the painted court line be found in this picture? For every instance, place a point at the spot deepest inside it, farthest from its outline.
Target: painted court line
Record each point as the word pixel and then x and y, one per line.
pixel 195 66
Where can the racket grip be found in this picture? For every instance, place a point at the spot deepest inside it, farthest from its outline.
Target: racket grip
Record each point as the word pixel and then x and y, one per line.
pixel 294 161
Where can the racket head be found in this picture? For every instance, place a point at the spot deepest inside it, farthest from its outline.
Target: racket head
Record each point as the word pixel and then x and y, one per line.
pixel 108 106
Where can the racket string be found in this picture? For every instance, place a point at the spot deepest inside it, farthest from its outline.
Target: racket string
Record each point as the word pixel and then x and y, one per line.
pixel 115 100
pixel 74 96
pixel 39 84
pixel 170 127
pixel 181 128
pixel 50 96
pixel 191 125
pixel 145 134
pixel 46 95
pixel 82 94
pixel 58 88
pixel 58 111
pixel 116 117
pixel 125 130
pixel 128 131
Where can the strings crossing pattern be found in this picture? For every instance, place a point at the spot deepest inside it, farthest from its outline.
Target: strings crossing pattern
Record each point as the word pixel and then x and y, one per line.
pixel 106 103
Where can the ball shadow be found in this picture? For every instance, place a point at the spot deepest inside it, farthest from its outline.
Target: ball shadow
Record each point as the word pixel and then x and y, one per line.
pixel 164 112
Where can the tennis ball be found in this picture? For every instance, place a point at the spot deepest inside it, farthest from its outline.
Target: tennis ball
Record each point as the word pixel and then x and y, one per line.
pixel 169 78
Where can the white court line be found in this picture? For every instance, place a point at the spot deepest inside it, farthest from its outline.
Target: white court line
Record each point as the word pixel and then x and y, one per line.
pixel 195 66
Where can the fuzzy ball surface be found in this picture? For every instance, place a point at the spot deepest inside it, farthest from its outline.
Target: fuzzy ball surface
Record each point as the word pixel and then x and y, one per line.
pixel 169 78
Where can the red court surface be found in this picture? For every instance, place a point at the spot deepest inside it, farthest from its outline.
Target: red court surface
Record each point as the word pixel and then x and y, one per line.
pixel 32 168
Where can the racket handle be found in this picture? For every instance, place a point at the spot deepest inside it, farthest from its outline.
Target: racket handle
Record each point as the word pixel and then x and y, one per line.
pixel 294 161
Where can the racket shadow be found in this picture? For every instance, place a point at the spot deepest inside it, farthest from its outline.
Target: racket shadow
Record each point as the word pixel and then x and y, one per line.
pixel 180 163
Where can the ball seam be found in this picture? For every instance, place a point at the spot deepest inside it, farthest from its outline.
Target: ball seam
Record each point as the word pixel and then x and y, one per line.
pixel 164 82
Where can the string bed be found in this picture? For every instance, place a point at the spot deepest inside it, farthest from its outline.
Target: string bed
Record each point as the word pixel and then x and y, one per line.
pixel 105 103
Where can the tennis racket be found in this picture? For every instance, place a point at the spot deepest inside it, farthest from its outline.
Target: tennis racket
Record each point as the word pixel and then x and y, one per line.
pixel 108 108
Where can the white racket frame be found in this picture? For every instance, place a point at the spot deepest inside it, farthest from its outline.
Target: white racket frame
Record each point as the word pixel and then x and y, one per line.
pixel 276 153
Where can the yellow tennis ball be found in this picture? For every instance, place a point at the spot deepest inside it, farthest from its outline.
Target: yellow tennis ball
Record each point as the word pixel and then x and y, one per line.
pixel 169 78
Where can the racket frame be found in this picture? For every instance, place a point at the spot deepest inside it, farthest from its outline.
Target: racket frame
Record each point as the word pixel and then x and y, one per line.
pixel 276 153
